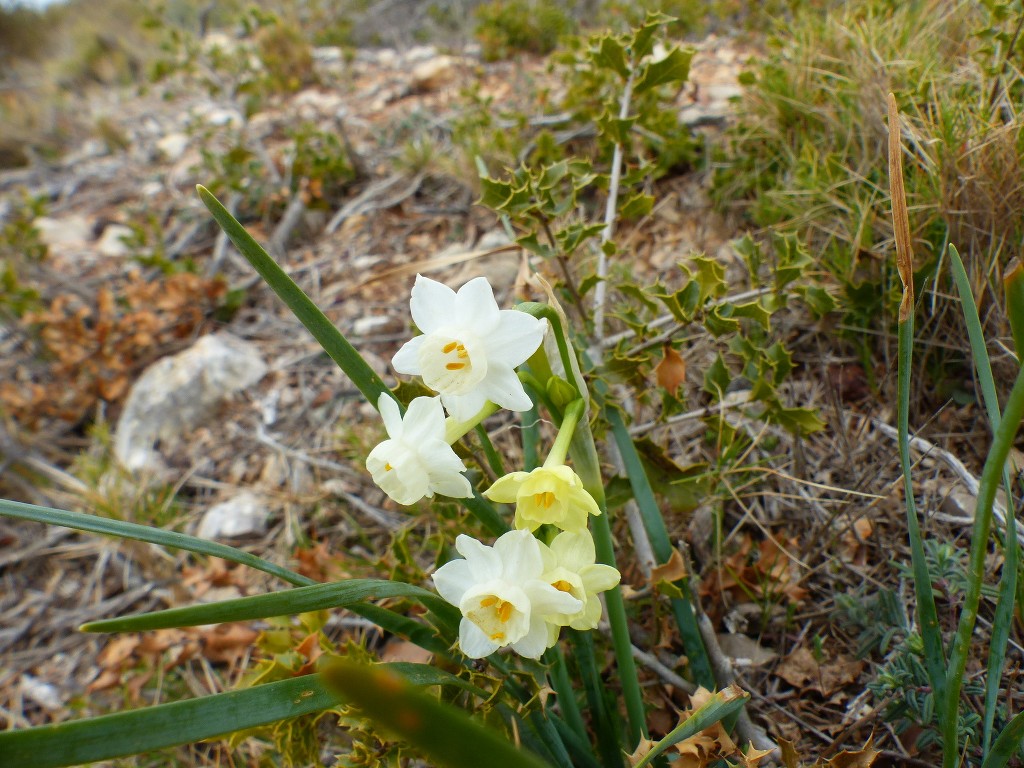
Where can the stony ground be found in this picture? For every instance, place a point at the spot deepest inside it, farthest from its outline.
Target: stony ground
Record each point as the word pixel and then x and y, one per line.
pixel 268 457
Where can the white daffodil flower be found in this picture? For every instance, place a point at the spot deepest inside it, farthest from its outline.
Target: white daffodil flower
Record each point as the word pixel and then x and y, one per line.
pixel 548 495
pixel 502 596
pixel 571 568
pixel 416 461
pixel 469 348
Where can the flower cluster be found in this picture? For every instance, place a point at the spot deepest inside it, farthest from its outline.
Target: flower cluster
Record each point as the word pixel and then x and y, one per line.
pixel 520 591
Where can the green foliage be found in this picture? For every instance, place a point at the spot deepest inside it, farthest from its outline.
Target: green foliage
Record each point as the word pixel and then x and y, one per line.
pixel 506 27
pixel 320 165
pixel 809 151
pixel 21 247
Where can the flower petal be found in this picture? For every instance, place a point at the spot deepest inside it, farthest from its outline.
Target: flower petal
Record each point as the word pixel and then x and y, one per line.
pixel 452 484
pixel 424 420
pixel 574 550
pixel 391 414
pixel 453 579
pixel 431 304
pixel 520 555
pixel 407 359
pixel 506 488
pixel 533 644
pixel 475 307
pixel 474 642
pixel 464 407
pixel 483 560
pixel 599 577
pixel 545 599
pixel 517 336
pixel 503 387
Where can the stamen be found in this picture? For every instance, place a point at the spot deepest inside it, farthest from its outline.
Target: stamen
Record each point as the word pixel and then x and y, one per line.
pixel 562 586
pixel 505 611
pixel 449 347
pixel 549 499
pixel 487 602
pixel 455 366
pixel 497 636
pixel 387 466
pixel 463 353
pixel 538 499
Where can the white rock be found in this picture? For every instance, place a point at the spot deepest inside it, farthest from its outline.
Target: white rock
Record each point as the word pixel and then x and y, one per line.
pixel 45 695
pixel 111 242
pixel 178 393
pixel 172 146
pixel 70 230
pixel 313 103
pixel 328 55
pixel 419 53
pixel 240 515
pixel 367 325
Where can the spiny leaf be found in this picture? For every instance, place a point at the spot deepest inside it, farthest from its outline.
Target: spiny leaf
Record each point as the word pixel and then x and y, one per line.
pixel 674 68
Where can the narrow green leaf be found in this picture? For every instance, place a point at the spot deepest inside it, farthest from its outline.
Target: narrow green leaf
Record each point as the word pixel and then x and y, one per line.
pixel 286 603
pixel 424 675
pixel 934 653
pixel 166 725
pixel 445 734
pixel 1006 744
pixel 1003 618
pixel 654 525
pixel 1013 282
pixel 674 68
pixel 717 708
pixel 991 475
pixel 83 522
pixel 316 322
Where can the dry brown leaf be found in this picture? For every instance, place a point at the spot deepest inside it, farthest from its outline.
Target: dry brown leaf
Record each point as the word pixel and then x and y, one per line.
pixel 227 643
pixel 673 570
pixel 670 372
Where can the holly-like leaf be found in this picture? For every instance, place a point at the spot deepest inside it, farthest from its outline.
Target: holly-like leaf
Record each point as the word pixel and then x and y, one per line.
pixel 615 128
pixel 637 206
pixel 609 53
pixel 674 68
pixel 717 377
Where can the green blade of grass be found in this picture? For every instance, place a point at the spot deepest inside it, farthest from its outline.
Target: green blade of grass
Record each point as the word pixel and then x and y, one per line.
pixel 1003 618
pixel 83 522
pixel 447 735
pixel 991 476
pixel 588 467
pixel 1006 744
pixel 182 722
pixel 934 654
pixel 654 524
pixel 604 724
pixel 714 710
pixel 286 603
pixel 316 322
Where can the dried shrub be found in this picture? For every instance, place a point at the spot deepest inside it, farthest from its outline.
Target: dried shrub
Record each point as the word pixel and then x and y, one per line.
pixel 90 351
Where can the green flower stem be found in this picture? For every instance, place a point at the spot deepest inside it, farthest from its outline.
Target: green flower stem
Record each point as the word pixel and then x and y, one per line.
pixel 564 352
pixel 539 392
pixel 560 448
pixel 991 476
pixel 563 689
pixel 605 726
pixel 490 452
pixel 934 653
pixel 530 435
pixel 588 467
pixel 456 430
